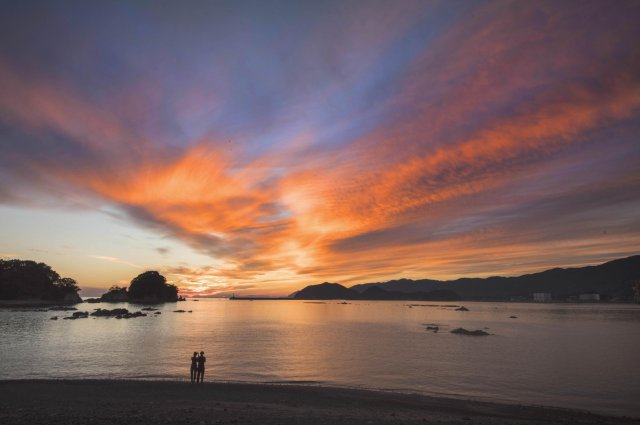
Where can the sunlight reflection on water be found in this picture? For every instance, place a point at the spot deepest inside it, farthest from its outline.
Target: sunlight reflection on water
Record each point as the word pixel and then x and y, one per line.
pixel 581 356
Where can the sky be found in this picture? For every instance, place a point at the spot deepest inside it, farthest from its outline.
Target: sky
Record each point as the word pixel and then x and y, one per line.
pixel 258 147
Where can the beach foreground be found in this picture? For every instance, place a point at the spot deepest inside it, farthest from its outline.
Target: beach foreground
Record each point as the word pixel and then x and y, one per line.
pixel 161 402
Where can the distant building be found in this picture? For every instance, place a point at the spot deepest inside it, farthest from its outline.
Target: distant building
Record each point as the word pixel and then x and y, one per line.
pixel 591 296
pixel 541 297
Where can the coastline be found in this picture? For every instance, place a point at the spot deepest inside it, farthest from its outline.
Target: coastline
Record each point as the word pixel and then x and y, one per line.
pixel 171 402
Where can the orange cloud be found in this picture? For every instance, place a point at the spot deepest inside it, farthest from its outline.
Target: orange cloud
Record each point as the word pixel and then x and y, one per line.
pixel 439 187
pixel 42 106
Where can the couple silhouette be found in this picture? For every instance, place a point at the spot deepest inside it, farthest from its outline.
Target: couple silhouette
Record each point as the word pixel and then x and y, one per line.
pixel 197 366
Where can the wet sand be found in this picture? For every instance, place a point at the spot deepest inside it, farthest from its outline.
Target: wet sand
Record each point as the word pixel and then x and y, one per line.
pixel 160 402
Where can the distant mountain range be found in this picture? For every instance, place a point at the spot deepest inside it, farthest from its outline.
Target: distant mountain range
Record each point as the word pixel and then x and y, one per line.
pixel 335 291
pixel 613 280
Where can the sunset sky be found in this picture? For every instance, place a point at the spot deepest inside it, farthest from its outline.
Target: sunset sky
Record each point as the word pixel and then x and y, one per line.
pixel 257 147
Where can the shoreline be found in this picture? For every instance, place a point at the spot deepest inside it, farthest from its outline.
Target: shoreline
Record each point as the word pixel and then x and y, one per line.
pixel 30 304
pixel 175 402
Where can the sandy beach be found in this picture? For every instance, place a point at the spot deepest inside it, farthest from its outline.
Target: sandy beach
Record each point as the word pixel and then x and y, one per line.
pixel 159 402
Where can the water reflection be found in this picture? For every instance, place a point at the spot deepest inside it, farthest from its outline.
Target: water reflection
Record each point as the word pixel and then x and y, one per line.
pixel 581 356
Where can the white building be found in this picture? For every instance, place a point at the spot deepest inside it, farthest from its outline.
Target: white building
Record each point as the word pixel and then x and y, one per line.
pixel 590 297
pixel 541 297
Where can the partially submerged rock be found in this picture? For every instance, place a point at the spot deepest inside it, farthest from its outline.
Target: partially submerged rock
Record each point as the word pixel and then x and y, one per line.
pixel 463 331
pixel 78 315
pixel 118 313
pixel 131 315
pixel 462 308
pixel 105 312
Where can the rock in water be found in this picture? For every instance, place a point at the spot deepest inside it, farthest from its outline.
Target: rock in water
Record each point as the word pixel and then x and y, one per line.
pixel 463 331
pixel 102 312
pixel 462 308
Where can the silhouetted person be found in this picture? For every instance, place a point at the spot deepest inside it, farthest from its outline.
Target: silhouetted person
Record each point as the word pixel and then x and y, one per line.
pixel 194 366
pixel 201 361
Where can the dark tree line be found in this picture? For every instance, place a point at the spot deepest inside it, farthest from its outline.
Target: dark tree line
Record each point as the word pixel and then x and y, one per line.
pixel 152 285
pixel 149 286
pixel 24 279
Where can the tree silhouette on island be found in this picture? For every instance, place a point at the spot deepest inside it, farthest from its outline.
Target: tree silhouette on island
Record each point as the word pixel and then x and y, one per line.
pixel 26 280
pixel 147 287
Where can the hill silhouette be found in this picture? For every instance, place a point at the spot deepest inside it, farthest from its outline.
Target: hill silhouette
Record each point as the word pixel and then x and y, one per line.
pixel 326 291
pixel 613 280
pixel 335 291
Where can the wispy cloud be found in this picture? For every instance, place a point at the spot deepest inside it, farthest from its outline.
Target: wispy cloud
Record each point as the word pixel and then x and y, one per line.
pixel 420 140
pixel 114 260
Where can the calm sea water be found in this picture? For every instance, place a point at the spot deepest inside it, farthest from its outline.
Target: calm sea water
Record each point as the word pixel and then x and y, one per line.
pixel 578 356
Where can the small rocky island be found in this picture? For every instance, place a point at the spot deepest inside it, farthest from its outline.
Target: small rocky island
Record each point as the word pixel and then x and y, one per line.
pixel 29 284
pixel 149 287
pixel 25 282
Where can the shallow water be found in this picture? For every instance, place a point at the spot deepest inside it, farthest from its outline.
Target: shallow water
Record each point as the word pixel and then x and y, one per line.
pixel 577 356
